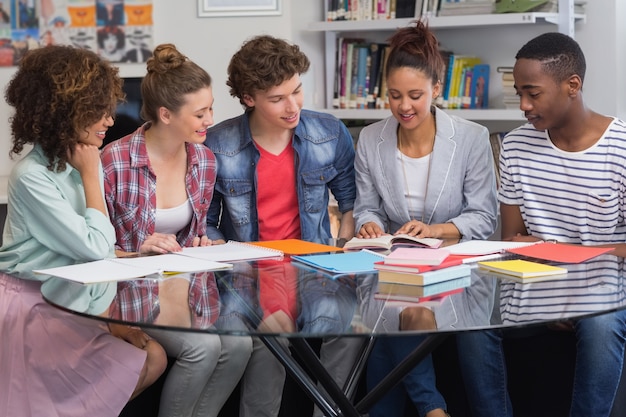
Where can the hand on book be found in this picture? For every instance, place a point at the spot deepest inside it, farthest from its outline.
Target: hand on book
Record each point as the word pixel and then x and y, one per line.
pixel 160 243
pixel 370 230
pixel 415 228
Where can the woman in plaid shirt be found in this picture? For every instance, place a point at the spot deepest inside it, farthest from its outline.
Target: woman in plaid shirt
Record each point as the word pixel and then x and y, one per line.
pixel 158 184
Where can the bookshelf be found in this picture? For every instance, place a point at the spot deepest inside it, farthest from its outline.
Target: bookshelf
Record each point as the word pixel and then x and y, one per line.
pixel 496 118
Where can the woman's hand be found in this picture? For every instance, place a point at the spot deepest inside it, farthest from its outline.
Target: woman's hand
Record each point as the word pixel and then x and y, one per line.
pixel 85 159
pixel 416 228
pixel 205 241
pixel 133 335
pixel 370 230
pixel 160 243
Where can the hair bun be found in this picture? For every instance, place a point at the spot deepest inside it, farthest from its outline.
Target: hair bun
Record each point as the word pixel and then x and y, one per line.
pixel 166 57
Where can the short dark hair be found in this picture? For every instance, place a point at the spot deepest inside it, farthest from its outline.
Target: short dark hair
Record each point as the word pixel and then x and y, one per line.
pixel 559 54
pixel 264 62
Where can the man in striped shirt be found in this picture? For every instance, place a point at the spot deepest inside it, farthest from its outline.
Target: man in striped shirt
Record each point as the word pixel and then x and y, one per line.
pixel 563 178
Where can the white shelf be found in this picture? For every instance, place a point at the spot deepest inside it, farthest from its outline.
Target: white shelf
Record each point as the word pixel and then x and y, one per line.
pixel 443 22
pixel 505 115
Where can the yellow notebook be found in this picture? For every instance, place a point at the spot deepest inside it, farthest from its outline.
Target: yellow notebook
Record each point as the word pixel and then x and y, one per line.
pixel 522 268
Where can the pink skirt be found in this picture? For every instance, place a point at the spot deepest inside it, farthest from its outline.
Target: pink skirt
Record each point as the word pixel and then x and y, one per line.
pixel 56 364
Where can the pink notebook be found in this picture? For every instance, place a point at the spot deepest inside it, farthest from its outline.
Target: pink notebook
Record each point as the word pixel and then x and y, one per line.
pixel 416 256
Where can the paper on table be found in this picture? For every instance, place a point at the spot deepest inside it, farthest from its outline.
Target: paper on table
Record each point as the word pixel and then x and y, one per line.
pixel 559 252
pixel 230 252
pixel 485 247
pixel 119 269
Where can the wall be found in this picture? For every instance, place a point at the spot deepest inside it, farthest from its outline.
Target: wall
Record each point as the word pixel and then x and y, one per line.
pixel 211 42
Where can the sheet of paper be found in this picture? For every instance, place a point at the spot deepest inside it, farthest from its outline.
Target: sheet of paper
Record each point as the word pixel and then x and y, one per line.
pixel 171 262
pixel 98 271
pixel 230 252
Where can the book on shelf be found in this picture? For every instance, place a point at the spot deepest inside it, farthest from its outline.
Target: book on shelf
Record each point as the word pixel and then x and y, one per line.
pixel 408 292
pixel 341 263
pixel 522 268
pixel 375 55
pixel 479 89
pixel 466 7
pixel 386 242
pixel 416 256
pixel 382 102
pixel 517 6
pixel 425 278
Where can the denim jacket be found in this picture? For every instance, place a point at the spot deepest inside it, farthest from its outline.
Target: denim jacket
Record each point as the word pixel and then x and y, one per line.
pixel 324 159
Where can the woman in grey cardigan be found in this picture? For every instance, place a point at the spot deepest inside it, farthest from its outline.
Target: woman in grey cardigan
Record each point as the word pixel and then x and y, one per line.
pixel 427 174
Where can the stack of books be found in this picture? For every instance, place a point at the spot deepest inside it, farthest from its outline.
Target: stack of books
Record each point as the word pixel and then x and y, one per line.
pixel 509 95
pixel 413 273
pixel 467 7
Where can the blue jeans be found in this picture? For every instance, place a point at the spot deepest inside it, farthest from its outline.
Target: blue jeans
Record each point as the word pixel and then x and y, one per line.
pixel 599 361
pixel 419 384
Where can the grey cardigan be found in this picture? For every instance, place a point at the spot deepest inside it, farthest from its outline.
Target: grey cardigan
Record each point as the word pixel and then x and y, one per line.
pixel 461 187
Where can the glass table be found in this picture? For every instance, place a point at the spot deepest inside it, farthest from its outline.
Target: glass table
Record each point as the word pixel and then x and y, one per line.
pixel 239 301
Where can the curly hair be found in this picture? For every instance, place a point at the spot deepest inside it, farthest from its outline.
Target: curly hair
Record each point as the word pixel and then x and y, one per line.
pixel 560 55
pixel 57 93
pixel 171 75
pixel 264 62
pixel 416 47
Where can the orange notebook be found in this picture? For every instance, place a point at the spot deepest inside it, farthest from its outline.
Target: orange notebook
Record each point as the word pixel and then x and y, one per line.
pixel 296 246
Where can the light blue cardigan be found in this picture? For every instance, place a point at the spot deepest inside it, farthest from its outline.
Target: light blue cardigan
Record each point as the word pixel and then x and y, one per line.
pixel 461 187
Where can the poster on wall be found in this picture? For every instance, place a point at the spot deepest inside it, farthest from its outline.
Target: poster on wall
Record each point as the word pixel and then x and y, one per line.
pixel 118 30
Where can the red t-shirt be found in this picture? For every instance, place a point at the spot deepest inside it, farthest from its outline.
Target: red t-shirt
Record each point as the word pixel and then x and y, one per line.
pixel 277 196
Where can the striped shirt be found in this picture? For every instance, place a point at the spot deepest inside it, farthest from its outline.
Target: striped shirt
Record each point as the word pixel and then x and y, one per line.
pixel 575 197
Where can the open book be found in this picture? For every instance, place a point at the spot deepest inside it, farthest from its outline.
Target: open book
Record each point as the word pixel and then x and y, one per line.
pixel 386 242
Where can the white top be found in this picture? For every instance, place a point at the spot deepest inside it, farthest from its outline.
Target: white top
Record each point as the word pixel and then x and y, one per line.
pixel 414 182
pixel 174 219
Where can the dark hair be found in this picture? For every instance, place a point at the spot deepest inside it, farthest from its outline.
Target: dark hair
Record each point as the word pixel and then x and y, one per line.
pixel 57 92
pixel 560 55
pixel 115 31
pixel 264 62
pixel 415 46
pixel 171 75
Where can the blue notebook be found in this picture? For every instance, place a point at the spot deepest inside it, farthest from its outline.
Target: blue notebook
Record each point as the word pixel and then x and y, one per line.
pixel 342 263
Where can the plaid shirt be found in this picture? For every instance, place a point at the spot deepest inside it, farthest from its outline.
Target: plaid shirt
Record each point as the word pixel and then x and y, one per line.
pixel 137 301
pixel 130 189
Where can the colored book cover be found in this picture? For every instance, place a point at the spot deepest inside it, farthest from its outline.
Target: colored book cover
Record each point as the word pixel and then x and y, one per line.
pixel 559 252
pixel 522 268
pixel 425 278
pixel 408 292
pixel 296 246
pixel 479 94
pixel 341 263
